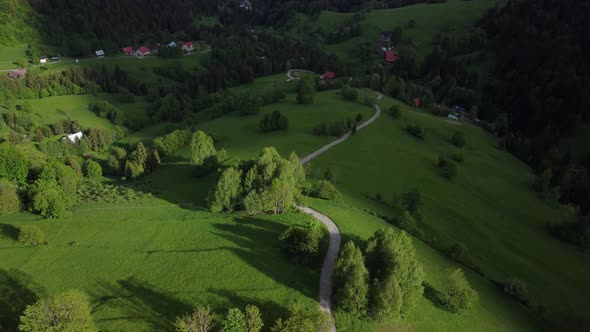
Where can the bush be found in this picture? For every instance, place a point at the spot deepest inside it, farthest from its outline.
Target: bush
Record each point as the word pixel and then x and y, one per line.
pixel 458 139
pixel 394 111
pixel 349 93
pixel 9 200
pixel 517 289
pixel 234 321
pixel 458 157
pixel 324 189
pixel 272 96
pixel 273 121
pixel 49 204
pixel 458 295
pixel 336 128
pixel 302 243
pixel 92 169
pixel 448 168
pixel 30 235
pixel 416 131
pixel 407 222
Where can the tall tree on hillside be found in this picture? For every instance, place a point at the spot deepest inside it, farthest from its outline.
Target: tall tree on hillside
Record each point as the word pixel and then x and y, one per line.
pixel 305 91
pixel 352 281
pixel 201 147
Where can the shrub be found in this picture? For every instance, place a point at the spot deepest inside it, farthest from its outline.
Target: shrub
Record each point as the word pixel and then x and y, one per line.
pixel 273 121
pixel 407 222
pixel 517 289
pixel 394 111
pixel 324 189
pixel 254 321
pixel 272 96
pixel 386 298
pixel 349 93
pixel 200 320
pixel 49 204
pixel 458 157
pixel 412 202
pixel 458 139
pixel 9 200
pixel 302 243
pixel 302 320
pixel 92 169
pixel 458 295
pixel 202 147
pixel 447 168
pixel 416 131
pixel 30 235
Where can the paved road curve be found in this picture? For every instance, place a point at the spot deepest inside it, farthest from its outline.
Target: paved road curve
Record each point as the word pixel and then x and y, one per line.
pixel 335 236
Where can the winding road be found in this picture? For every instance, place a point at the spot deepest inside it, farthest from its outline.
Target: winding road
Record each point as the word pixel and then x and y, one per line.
pixel 335 236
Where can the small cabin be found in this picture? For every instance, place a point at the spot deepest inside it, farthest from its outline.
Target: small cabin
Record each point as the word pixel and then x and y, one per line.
pixel 75 137
pixel 43 59
pixel 99 53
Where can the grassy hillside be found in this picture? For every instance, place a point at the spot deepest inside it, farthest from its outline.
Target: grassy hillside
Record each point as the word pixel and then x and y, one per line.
pixel 145 262
pixel 489 206
pixel 455 17
pixel 494 312
pixel 8 55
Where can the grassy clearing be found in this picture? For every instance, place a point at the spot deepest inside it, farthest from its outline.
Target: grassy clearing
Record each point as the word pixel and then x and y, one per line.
pixel 489 206
pixel 8 55
pixel 455 17
pixel 146 262
pixel 494 312
pixel 52 109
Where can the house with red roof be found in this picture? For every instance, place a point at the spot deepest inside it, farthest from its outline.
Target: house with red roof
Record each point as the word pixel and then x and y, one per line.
pixel 390 56
pixel 329 75
pixel 17 73
pixel 127 50
pixel 187 47
pixel 142 51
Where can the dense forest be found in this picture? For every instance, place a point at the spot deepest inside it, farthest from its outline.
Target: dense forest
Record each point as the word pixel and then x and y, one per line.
pixel 539 89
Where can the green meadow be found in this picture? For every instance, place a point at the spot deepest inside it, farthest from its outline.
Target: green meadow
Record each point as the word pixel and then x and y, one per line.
pixel 10 54
pixel 489 207
pixel 456 17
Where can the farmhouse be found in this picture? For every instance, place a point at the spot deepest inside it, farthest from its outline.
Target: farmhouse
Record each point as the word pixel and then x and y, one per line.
pixel 74 137
pixel 99 53
pixel 17 73
pixel 390 56
pixel 127 50
pixel 54 59
pixel 187 47
pixel 329 75
pixel 142 51
pixel 457 113
pixel 43 59
pixel 171 44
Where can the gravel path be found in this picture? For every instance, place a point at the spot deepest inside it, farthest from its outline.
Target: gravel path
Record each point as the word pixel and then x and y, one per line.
pixel 347 135
pixel 335 236
pixel 329 261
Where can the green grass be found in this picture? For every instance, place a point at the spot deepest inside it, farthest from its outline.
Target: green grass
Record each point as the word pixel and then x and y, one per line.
pixel 494 311
pixel 489 206
pixel 8 55
pixel 455 17
pixel 144 263
pixel 52 109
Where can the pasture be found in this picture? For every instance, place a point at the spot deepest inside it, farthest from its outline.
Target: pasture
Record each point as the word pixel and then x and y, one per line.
pixel 456 17
pixel 489 207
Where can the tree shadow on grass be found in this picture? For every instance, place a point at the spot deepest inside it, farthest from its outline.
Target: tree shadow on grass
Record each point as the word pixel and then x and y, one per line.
pixel 9 231
pixel 434 295
pixel 140 301
pixel 17 291
pixel 257 244
pixel 269 310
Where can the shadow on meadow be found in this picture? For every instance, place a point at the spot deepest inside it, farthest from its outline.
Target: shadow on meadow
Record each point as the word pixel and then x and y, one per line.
pixel 17 291
pixel 141 301
pixel 269 310
pixel 257 243
pixel 9 231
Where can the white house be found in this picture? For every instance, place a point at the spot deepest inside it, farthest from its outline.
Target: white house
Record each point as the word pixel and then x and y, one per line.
pixel 453 117
pixel 171 44
pixel 43 59
pixel 99 53
pixel 74 137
